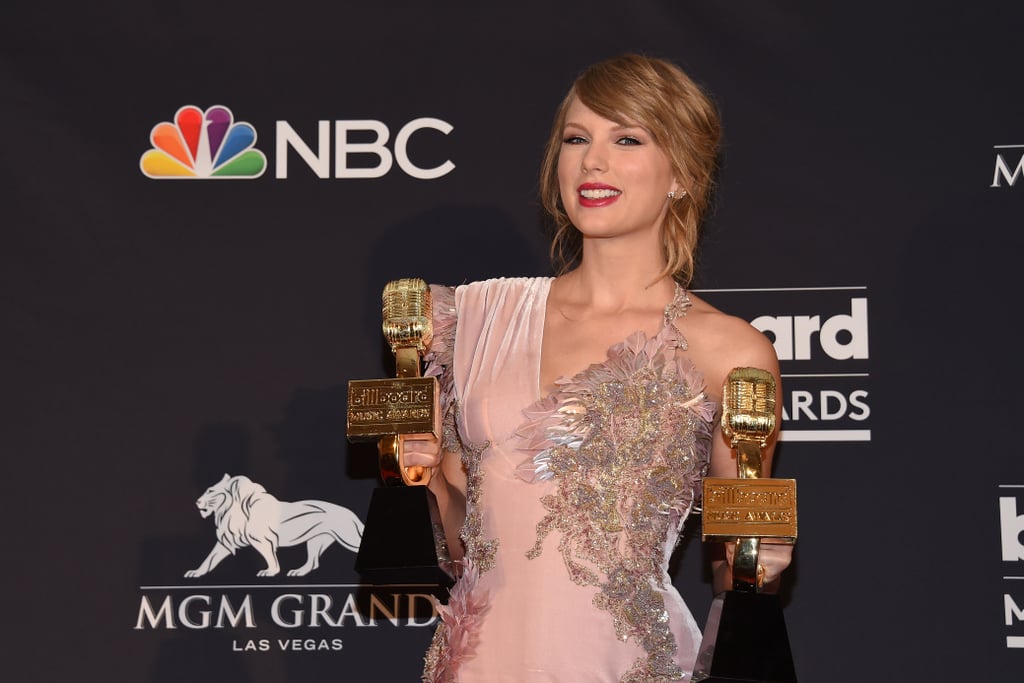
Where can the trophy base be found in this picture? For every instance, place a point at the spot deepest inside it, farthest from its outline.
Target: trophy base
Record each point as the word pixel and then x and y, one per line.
pixel 745 641
pixel 403 541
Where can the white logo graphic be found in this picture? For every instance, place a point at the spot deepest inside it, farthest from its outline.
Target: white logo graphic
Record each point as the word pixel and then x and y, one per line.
pixel 794 335
pixel 1011 528
pixel 820 335
pixel 344 147
pixel 246 515
pixel 1011 525
pixel 1006 172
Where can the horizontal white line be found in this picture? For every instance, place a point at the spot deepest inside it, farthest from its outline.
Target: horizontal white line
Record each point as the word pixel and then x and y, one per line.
pixel 781 289
pixel 1015 641
pixel 825 374
pixel 1011 486
pixel 825 435
pixel 300 586
pixel 1013 578
pixel 1007 146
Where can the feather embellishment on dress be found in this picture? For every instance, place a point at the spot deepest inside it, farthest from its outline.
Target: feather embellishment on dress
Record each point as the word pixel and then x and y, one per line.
pixel 456 640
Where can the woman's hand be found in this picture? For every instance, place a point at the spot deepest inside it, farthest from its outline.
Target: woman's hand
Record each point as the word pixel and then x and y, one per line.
pixel 774 557
pixel 420 450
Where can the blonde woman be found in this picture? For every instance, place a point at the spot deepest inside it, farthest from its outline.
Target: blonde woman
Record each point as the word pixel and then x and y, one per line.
pixel 580 411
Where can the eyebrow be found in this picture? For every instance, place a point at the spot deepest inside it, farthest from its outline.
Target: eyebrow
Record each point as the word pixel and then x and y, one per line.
pixel 618 127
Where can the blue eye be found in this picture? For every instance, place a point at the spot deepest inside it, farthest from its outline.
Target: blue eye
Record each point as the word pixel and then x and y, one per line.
pixel 574 140
pixel 627 140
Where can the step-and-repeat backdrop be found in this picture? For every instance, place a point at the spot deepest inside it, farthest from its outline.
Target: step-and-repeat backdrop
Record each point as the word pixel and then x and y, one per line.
pixel 184 302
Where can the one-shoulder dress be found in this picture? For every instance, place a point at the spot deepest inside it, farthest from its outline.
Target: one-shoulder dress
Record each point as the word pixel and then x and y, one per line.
pixel 575 500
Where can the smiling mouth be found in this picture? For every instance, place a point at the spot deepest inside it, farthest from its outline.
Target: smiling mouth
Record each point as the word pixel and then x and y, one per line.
pixel 603 193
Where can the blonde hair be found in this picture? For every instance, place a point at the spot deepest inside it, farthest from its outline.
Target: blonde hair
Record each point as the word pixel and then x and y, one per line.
pixel 683 122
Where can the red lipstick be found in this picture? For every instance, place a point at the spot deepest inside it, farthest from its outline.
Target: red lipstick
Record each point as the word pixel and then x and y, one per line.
pixel 594 195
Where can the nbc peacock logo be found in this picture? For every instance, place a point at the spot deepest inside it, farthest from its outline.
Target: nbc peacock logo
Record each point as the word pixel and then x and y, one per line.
pixel 203 144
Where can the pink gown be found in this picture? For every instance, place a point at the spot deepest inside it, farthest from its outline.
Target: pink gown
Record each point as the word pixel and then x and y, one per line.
pixel 575 500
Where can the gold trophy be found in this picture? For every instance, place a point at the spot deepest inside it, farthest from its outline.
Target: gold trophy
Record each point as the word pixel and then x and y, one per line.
pixel 403 541
pixel 745 639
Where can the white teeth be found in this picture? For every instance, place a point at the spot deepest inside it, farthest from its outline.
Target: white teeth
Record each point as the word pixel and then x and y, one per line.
pixel 598 194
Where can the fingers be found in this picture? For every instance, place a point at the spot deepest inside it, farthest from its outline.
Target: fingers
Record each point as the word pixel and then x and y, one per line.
pixel 420 450
pixel 774 558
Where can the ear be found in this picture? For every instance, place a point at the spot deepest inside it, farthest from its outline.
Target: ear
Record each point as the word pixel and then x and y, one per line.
pixel 682 183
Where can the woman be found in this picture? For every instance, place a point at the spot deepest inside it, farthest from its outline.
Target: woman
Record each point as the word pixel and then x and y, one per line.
pixel 580 411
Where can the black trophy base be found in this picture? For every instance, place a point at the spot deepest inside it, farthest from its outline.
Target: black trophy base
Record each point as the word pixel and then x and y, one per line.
pixel 745 641
pixel 403 542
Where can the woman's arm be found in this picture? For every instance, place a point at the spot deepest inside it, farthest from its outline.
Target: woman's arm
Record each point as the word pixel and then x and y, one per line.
pixel 747 347
pixel 447 483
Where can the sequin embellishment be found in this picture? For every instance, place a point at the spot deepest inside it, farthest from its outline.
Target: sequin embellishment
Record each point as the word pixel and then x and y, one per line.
pixel 627 442
pixel 439 364
pixel 455 638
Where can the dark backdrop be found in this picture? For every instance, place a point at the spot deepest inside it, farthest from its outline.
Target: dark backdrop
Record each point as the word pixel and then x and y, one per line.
pixel 157 334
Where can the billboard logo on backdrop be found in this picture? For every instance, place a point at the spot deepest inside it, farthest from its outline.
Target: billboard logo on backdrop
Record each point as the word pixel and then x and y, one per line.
pixel 840 336
pixel 246 515
pixel 201 145
pixel 1009 165
pixel 821 337
pixel 1011 525
pixel 1011 529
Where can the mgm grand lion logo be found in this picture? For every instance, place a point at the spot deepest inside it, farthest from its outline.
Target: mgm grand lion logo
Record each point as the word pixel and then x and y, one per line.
pixel 244 514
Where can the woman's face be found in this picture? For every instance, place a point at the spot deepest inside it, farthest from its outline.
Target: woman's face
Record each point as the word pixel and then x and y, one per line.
pixel 614 180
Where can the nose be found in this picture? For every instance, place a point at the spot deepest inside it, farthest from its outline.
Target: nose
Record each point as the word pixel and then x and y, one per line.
pixel 593 159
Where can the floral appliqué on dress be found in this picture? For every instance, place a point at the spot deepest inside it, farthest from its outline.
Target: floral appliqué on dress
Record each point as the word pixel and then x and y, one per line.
pixel 628 442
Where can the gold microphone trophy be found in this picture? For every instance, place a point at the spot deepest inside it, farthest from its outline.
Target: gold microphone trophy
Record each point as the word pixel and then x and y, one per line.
pixel 745 639
pixel 403 541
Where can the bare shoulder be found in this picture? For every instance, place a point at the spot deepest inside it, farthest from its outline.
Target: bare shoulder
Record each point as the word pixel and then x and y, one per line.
pixel 719 342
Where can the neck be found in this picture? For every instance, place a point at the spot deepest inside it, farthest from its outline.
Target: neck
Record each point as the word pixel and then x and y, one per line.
pixel 588 289
pixel 612 275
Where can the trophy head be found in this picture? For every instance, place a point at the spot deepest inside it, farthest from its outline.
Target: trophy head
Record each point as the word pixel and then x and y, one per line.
pixel 748 406
pixel 407 321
